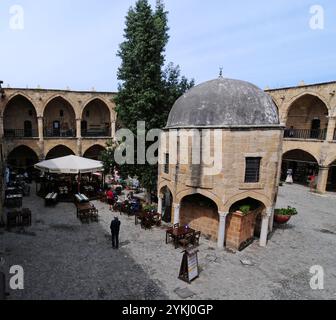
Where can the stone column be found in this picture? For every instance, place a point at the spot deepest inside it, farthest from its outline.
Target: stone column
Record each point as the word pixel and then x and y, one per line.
pixel 79 128
pixel 271 220
pixel 160 204
pixel 331 128
pixel 40 128
pixel 176 213
pixel 322 179
pixel 2 130
pixel 264 229
pixel 113 129
pixel 221 229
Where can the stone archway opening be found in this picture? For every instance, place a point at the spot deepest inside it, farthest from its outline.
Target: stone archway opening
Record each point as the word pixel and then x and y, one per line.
pixel 59 119
pixel 243 223
pixel 20 119
pixel 96 119
pixel 94 153
pixel 22 159
pixel 307 119
pixel 201 214
pixel 302 163
pixel 167 204
pixel 58 152
pixel 331 184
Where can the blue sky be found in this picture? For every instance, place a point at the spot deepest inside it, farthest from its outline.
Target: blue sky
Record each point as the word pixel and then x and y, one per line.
pixel 74 42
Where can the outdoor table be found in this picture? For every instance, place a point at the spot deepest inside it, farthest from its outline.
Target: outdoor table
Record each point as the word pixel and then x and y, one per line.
pixel 178 233
pixel 151 217
pixel 87 211
pixel 14 200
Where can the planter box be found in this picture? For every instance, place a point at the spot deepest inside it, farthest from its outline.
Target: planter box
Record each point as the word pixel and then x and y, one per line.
pixel 281 219
pixel 240 229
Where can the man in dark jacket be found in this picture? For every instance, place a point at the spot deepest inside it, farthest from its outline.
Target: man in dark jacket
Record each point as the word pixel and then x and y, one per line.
pixel 115 229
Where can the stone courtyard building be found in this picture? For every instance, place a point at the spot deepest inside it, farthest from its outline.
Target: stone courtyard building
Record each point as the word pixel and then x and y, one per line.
pixel 39 124
pixel 244 127
pixel 309 114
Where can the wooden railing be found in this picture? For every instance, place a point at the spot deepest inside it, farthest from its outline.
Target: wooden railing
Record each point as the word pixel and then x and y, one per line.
pixel 306 134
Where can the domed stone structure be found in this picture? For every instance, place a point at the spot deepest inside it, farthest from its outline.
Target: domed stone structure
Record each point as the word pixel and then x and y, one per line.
pixel 220 152
pixel 223 103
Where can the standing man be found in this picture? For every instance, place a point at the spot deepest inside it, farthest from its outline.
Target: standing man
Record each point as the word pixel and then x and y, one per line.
pixel 115 229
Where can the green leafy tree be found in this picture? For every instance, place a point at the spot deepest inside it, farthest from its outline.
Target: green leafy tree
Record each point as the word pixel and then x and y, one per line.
pixel 147 91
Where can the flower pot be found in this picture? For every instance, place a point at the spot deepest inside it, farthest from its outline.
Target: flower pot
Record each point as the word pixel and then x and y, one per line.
pixel 281 219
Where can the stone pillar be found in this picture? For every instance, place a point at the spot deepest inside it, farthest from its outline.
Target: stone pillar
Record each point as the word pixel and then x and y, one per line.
pixel 331 128
pixel 79 128
pixel 2 130
pixel 160 204
pixel 221 229
pixel 176 218
pixel 271 220
pixel 264 229
pixel 322 179
pixel 79 147
pixel 40 128
pixel 113 129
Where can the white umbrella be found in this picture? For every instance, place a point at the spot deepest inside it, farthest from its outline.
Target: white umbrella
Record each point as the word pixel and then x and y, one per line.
pixel 70 165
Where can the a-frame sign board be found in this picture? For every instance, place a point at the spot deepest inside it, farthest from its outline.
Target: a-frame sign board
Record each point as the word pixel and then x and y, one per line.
pixel 189 268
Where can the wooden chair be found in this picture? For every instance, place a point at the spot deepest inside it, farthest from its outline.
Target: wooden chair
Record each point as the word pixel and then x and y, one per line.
pixel 186 241
pixel 94 215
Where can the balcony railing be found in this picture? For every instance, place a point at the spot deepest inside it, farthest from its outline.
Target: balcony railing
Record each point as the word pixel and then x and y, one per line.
pixel 96 133
pixel 53 133
pixel 306 134
pixel 20 133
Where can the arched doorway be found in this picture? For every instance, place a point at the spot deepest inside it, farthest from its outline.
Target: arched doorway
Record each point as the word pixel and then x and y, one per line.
pixel 167 204
pixel 302 163
pixel 20 118
pixel 22 159
pixel 331 184
pixel 243 223
pixel 307 119
pixel 96 119
pixel 59 119
pixel 58 152
pixel 94 152
pixel 201 214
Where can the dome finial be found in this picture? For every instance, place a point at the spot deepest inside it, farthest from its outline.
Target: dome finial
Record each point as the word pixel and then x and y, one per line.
pixel 220 72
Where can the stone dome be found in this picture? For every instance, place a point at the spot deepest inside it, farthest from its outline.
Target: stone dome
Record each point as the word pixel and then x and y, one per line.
pixel 224 103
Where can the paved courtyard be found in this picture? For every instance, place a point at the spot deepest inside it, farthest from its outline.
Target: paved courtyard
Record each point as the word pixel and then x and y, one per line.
pixel 64 259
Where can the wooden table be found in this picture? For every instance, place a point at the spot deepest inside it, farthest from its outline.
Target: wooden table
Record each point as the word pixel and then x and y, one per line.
pixel 87 211
pixel 178 233
pixel 154 218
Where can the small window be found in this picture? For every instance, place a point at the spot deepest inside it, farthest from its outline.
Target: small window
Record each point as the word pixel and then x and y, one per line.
pixel 61 113
pixel 252 173
pixel 166 166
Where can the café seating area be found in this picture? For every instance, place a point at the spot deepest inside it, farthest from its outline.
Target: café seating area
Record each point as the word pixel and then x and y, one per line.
pixel 182 236
pixel 86 211
pixel 19 218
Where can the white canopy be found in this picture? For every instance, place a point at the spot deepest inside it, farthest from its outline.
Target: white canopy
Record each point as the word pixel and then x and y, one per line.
pixel 70 165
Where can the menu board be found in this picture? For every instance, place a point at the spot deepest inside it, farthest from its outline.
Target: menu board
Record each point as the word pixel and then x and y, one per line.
pixel 189 268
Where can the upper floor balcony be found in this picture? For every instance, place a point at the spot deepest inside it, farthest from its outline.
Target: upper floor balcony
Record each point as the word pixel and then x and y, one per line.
pixel 20 133
pixel 305 134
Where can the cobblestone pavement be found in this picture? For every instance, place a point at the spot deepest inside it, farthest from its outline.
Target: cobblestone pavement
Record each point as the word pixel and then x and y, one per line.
pixel 67 260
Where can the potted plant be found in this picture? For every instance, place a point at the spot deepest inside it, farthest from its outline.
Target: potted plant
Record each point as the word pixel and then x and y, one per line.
pixel 282 216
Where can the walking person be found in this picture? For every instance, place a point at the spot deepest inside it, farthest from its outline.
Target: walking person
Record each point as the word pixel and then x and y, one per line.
pixel 115 229
pixel 110 198
pixel 312 182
